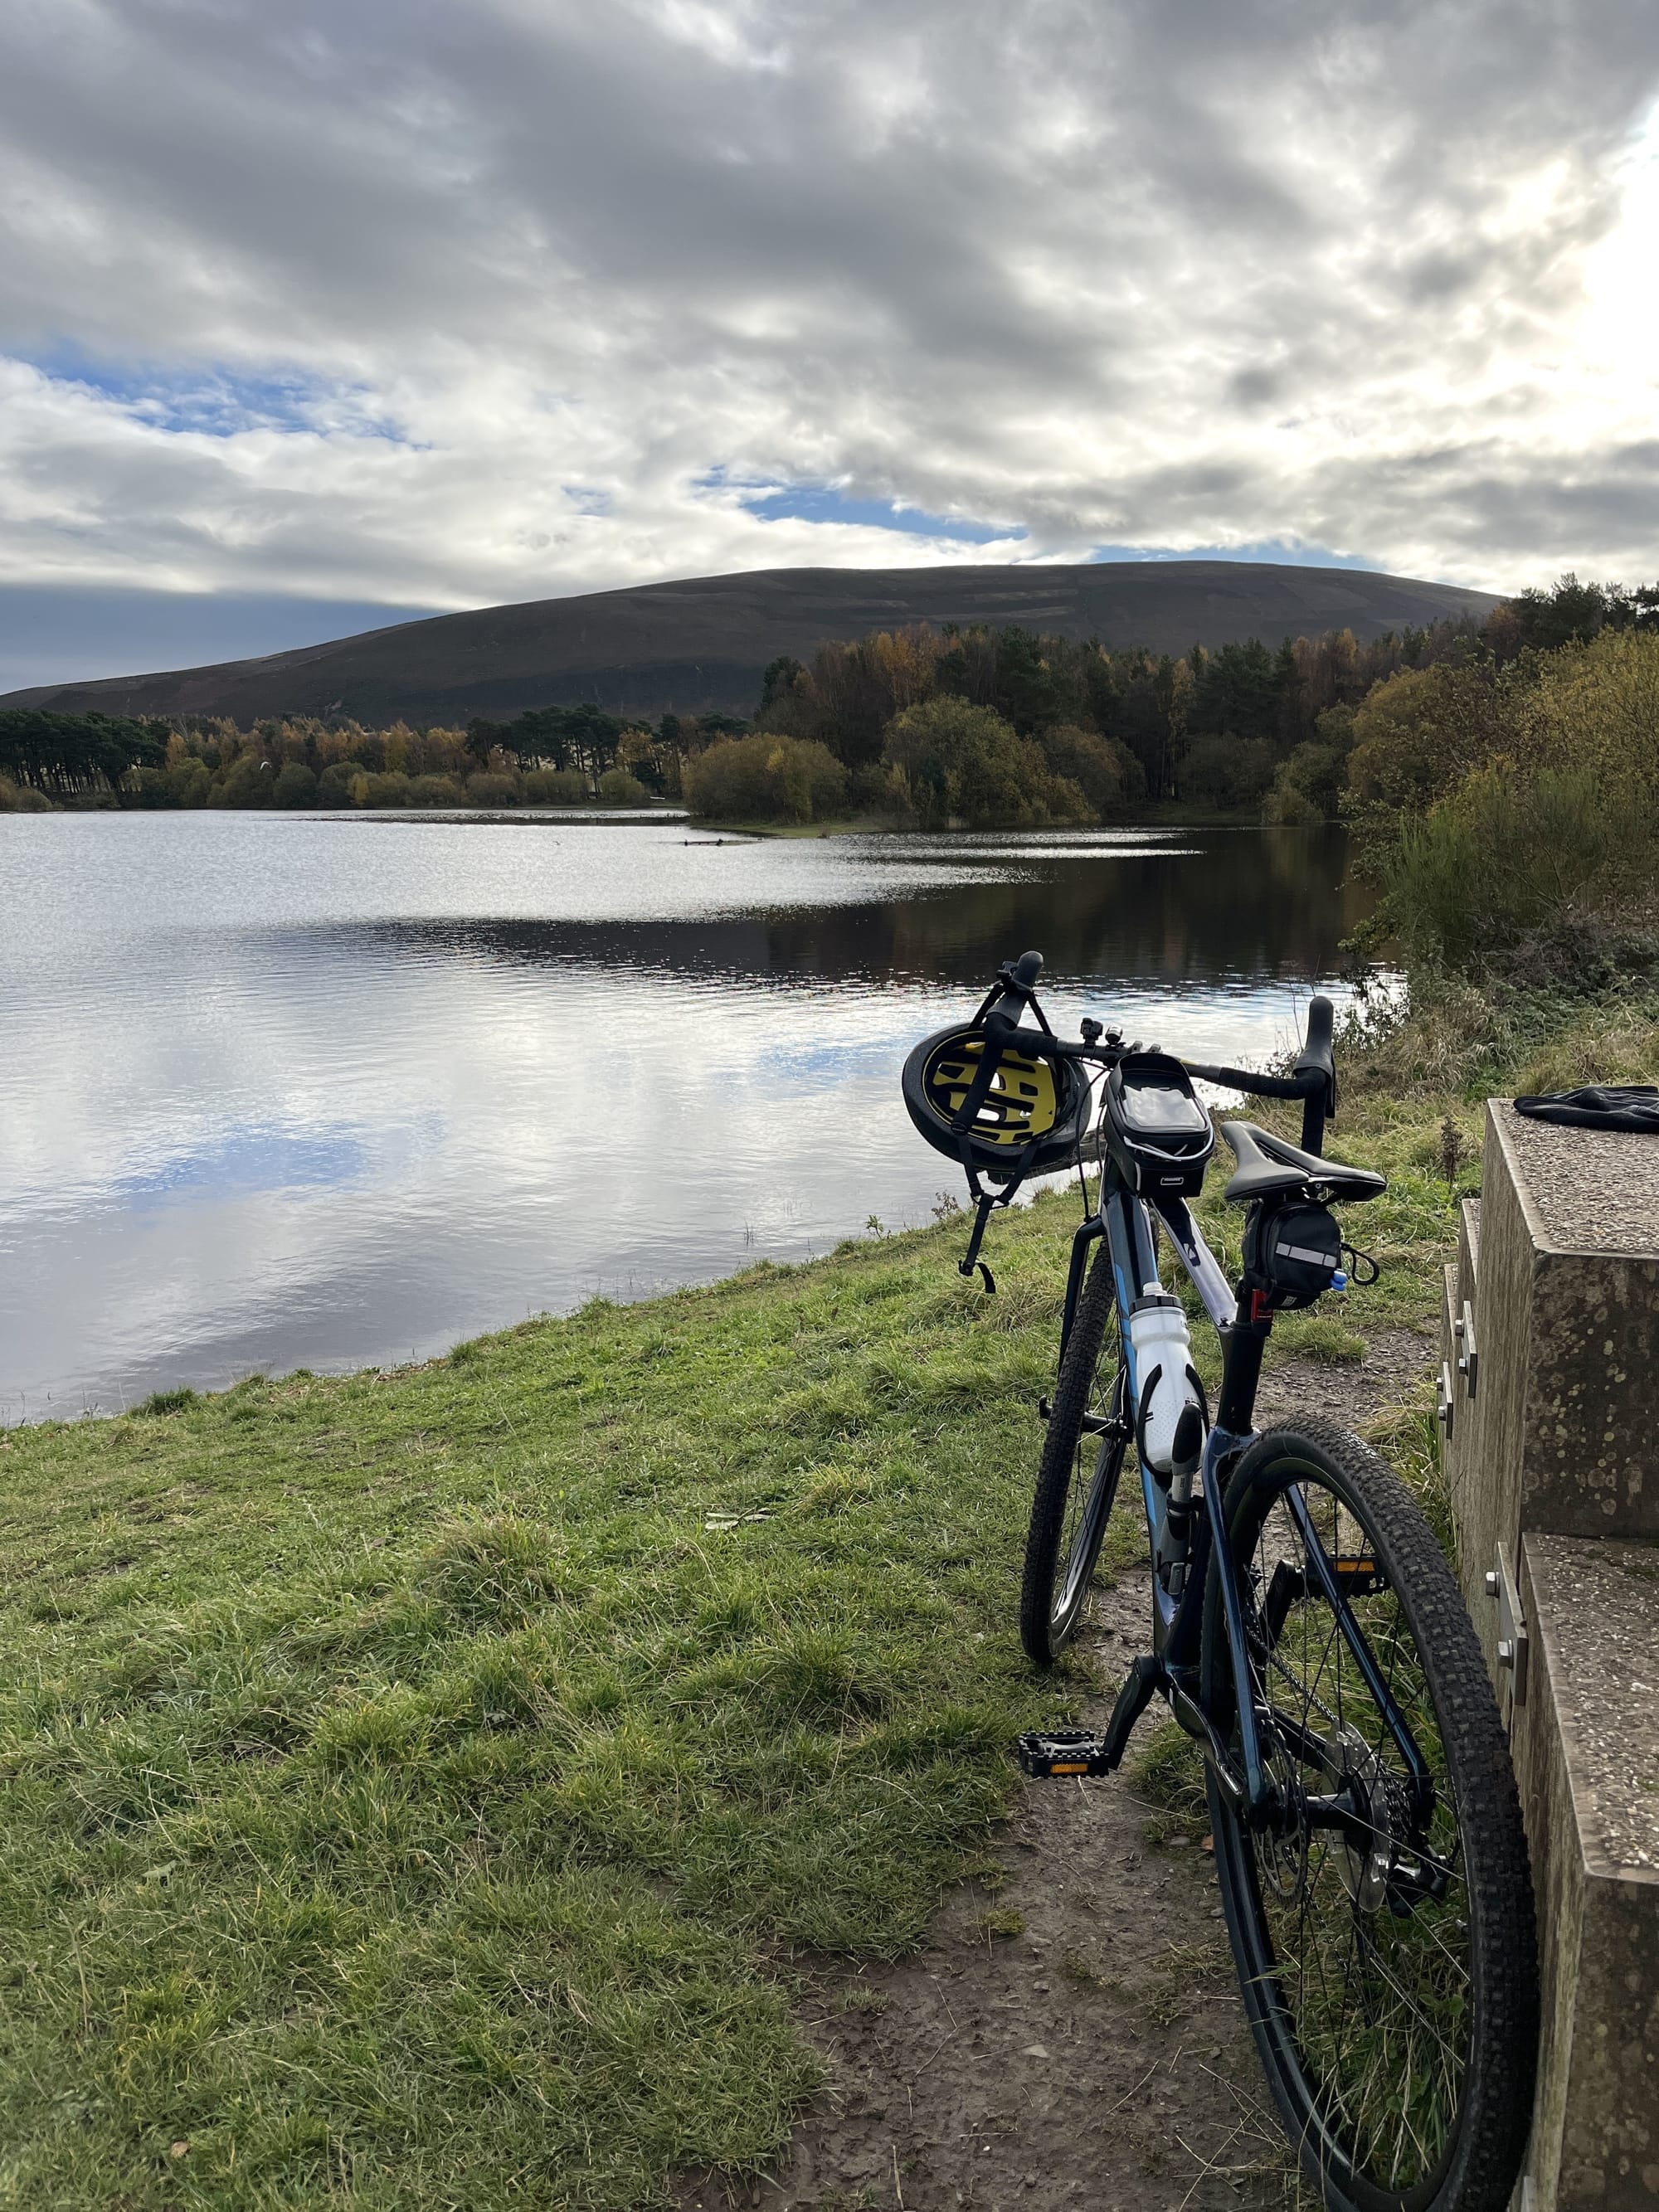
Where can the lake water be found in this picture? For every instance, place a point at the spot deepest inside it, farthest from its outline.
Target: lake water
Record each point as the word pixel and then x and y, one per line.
pixel 294 1091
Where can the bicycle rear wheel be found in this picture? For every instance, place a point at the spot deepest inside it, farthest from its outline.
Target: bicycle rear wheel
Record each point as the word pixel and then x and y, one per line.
pixel 1078 1476
pixel 1383 1925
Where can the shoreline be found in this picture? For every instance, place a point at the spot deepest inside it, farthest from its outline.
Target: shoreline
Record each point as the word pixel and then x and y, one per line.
pixel 1167 817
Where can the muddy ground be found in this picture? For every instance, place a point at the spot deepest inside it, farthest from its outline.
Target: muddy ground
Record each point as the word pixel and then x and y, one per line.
pixel 1072 2035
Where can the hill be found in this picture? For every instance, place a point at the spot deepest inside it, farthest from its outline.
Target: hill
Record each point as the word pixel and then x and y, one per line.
pixel 701 644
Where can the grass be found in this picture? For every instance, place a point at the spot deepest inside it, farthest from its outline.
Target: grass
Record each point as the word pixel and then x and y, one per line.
pixel 1461 1040
pixel 418 1784
pixel 1166 1769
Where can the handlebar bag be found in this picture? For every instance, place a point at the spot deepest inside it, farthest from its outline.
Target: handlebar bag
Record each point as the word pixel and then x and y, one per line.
pixel 1156 1128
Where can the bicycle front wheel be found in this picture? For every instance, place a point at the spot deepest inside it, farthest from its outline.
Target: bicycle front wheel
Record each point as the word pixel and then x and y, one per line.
pixel 1077 1480
pixel 1382 1923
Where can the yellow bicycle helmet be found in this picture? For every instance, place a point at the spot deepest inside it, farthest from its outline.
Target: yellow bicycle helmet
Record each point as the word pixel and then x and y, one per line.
pixel 1027 1119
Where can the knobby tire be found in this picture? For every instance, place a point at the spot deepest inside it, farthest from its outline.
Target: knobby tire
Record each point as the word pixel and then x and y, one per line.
pixel 1398 2025
pixel 1077 1478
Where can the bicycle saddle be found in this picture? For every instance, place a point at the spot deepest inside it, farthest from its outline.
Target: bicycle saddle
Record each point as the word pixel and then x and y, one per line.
pixel 1273 1167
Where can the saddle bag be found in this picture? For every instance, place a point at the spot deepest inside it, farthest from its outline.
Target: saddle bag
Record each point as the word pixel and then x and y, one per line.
pixel 1293 1251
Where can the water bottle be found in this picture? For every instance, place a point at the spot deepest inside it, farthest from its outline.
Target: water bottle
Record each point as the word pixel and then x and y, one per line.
pixel 1163 1355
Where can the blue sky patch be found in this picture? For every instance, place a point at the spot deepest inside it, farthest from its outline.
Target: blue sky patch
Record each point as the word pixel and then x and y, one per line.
pixel 219 402
pixel 63 634
pixel 808 502
pixel 1268 549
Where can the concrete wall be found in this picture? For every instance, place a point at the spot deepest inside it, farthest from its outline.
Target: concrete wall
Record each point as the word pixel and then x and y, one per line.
pixel 1554 1468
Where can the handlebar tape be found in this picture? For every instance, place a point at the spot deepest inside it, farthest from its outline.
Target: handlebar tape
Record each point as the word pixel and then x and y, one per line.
pixel 1317 1063
pixel 1315 1071
pixel 1244 1078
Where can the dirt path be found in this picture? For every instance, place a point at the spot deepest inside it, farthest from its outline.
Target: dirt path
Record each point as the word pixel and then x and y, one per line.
pixel 1072 2035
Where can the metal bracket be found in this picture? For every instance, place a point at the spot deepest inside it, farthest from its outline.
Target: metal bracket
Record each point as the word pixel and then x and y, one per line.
pixel 1445 1402
pixel 1468 1360
pixel 1512 1634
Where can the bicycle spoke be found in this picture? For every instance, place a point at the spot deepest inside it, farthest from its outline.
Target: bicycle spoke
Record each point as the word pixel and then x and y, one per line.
pixel 1373 1961
pixel 1077 1479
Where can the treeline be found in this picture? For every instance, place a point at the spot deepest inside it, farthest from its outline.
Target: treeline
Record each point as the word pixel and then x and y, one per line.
pixel 555 756
pixel 1004 726
pixel 996 727
pixel 67 759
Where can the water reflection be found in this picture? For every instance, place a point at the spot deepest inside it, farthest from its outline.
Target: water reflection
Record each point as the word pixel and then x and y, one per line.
pixel 281 1093
pixel 1231 910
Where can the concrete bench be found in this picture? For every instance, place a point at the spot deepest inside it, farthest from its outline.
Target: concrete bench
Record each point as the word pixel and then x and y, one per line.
pixel 1550 1417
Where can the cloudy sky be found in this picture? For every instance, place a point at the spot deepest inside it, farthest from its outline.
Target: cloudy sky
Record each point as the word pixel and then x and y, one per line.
pixel 315 312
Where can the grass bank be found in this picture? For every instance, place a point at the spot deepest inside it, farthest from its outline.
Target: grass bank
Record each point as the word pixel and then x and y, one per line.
pixel 418 1785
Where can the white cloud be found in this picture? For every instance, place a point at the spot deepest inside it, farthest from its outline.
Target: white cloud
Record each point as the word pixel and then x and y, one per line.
pixel 459 301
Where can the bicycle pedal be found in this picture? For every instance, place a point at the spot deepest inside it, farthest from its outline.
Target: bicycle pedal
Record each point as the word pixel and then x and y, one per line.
pixel 1067 1751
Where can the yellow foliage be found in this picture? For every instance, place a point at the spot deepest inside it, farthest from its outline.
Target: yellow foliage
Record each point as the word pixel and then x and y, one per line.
pixel 1416 734
pixel 1596 706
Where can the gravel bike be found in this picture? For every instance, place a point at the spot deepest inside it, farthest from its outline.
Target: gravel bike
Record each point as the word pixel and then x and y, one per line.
pixel 1306 1630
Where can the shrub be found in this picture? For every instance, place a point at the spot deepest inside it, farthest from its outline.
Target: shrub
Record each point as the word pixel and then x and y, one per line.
pixel 879 787
pixel 388 790
pixel 489 789
pixel 189 784
pixel 1227 772
pixel 436 791
pixel 765 778
pixel 1542 852
pixel 1598 706
pixel 248 781
pixel 295 786
pixel 619 788
pixel 1418 733
pixel 334 784
pixel 22 799
pixel 1107 773
pixel 1311 779
pixel 557 787
pixel 1501 856
pixel 1287 806
pixel 965 762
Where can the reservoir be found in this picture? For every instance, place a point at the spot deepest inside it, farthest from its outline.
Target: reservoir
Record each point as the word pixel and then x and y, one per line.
pixel 285 1090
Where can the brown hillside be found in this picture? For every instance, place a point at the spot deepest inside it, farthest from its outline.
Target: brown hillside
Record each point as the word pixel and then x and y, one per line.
pixel 701 644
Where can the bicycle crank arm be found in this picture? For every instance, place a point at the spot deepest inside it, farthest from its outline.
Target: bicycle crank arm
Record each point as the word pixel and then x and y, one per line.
pixel 1076 1752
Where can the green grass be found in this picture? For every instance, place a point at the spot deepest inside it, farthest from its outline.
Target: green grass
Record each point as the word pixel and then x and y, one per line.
pixel 418 1785
pixel 1166 1769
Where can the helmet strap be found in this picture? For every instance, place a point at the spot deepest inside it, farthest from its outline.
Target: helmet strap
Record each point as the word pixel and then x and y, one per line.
pixel 983 1202
pixel 986 1202
pixel 991 1051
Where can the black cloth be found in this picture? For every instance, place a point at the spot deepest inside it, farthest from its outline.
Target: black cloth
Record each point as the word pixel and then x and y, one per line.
pixel 1599 1106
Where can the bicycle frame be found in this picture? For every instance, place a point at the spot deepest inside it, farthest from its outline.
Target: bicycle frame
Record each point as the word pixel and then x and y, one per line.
pixel 1125 1222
